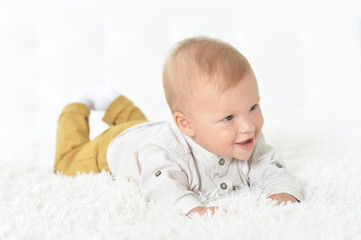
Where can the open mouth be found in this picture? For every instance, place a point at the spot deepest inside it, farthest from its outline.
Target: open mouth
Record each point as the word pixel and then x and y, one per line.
pixel 248 144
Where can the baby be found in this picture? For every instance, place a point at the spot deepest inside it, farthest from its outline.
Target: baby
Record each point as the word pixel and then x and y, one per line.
pixel 214 144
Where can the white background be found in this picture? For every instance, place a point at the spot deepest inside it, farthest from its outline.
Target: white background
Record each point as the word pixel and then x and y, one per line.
pixel 306 56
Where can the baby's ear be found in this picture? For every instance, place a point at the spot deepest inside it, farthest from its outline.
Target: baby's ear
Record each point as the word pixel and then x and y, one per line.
pixel 183 124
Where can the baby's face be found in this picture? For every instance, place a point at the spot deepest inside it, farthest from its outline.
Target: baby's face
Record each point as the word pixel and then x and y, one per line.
pixel 228 124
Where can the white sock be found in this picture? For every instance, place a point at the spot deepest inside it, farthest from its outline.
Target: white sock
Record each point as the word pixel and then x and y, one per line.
pixel 97 97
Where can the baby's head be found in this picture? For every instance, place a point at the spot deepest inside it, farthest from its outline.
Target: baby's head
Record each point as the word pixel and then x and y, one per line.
pixel 213 95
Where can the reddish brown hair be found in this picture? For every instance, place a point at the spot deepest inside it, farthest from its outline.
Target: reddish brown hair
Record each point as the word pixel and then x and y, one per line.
pixel 197 61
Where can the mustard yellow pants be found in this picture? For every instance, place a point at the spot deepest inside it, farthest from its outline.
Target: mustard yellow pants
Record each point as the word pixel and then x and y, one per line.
pixel 75 152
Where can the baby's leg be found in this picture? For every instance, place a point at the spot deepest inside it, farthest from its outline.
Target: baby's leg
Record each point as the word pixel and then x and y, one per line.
pixel 123 111
pixel 118 108
pixel 74 152
pixel 120 115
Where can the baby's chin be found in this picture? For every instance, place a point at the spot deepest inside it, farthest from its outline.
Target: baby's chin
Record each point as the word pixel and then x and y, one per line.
pixel 243 157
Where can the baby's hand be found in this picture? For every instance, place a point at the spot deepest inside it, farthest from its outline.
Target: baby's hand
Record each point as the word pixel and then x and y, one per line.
pixel 201 211
pixel 283 197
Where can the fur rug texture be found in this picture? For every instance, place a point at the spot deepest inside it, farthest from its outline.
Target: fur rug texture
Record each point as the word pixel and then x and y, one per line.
pixel 37 204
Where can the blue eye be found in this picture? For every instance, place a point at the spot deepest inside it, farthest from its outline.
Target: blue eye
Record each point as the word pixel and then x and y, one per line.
pixel 254 107
pixel 228 118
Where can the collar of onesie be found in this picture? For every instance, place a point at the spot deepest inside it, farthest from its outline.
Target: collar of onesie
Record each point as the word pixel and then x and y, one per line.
pixel 206 156
pixel 202 154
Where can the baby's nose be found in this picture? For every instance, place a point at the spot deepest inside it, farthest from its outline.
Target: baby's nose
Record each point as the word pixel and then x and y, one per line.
pixel 247 126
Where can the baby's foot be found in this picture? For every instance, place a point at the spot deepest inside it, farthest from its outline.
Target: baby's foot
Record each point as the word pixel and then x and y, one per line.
pixel 97 97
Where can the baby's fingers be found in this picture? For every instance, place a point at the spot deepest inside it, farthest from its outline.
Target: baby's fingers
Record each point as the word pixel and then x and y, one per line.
pixel 216 209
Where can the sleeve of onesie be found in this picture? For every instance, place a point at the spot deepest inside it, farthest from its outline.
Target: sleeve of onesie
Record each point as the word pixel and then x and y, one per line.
pixel 267 170
pixel 162 180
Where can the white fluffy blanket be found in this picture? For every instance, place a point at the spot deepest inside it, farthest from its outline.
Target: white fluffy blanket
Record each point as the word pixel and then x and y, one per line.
pixel 36 204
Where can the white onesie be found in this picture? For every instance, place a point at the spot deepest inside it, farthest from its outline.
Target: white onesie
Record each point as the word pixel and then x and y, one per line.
pixel 171 168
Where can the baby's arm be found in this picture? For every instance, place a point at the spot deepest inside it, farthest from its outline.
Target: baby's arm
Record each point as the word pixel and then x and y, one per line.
pixel 268 172
pixel 162 180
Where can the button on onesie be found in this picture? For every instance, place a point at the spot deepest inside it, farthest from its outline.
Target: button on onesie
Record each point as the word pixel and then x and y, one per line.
pixel 224 184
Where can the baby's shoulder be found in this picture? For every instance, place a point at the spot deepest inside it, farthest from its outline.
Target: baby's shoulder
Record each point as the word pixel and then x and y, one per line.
pixel 168 139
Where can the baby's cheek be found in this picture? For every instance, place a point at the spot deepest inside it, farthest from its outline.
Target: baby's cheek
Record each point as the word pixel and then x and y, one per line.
pixel 259 124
